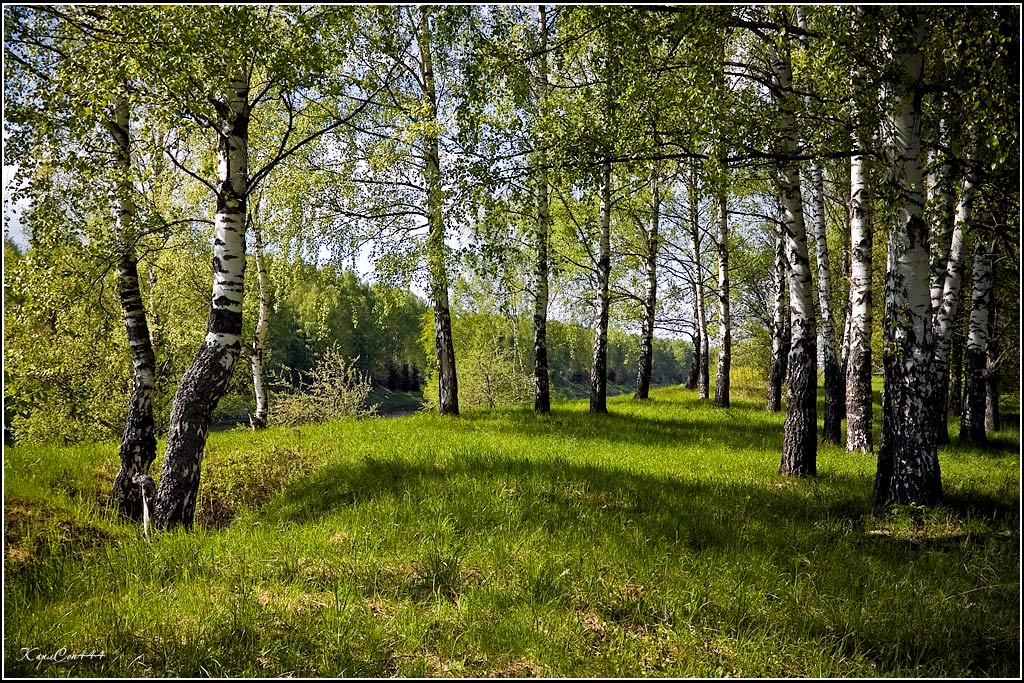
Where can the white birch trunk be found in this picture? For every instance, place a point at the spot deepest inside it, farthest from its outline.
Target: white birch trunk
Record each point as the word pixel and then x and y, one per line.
pixel 700 315
pixel 939 207
pixel 448 392
pixel 646 358
pixel 599 363
pixel 138 442
pixel 780 321
pixel 258 420
pixel 834 390
pixel 946 312
pixel 908 464
pixel 724 317
pixel 207 378
pixel 859 418
pixel 541 375
pixel 799 448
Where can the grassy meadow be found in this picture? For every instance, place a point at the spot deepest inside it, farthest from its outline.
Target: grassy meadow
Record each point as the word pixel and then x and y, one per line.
pixel 655 541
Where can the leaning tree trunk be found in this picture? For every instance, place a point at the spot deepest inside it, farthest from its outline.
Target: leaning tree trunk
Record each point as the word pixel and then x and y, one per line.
pixel 992 371
pixel 700 315
pixel 258 420
pixel 206 379
pixel 599 364
pixel 646 361
pixel 858 373
pixel 138 443
pixel 972 422
pixel 799 446
pixel 780 323
pixel 448 390
pixel 541 375
pixel 724 317
pixel 908 463
pixel 945 313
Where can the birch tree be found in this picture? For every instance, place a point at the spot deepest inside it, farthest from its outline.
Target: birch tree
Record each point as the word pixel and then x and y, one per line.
pixel 908 464
pixel 541 375
pixel 834 389
pixel 859 413
pixel 799 450
pixel 282 59
pixel 780 328
pixel 79 80
pixel 972 422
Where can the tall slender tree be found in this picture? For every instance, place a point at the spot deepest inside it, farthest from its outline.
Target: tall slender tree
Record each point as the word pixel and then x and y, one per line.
pixel 799 449
pixel 448 388
pixel 541 381
pixel 650 260
pixel 972 422
pixel 138 444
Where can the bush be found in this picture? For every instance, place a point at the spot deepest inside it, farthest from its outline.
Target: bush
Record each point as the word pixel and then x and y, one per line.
pixel 337 390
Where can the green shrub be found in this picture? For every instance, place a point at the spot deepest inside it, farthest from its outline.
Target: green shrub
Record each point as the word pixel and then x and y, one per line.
pixel 337 390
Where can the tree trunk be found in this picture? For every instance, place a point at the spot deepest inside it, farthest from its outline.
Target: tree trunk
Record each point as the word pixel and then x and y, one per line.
pixel 646 361
pixel 780 324
pixel 206 379
pixel 945 314
pixel 448 390
pixel 541 381
pixel 258 420
pixel 599 365
pixel 956 380
pixel 799 446
pixel 694 374
pixel 992 370
pixel 908 463
pixel 939 208
pixel 700 315
pixel 834 389
pixel 724 317
pixel 138 443
pixel 859 416
pixel 972 422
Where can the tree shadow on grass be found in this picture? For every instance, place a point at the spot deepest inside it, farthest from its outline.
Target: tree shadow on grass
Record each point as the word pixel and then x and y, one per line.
pixel 728 429
pixel 824 527
pixel 556 496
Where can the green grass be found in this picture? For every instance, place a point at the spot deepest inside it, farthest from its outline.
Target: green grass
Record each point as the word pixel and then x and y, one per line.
pixel 655 541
